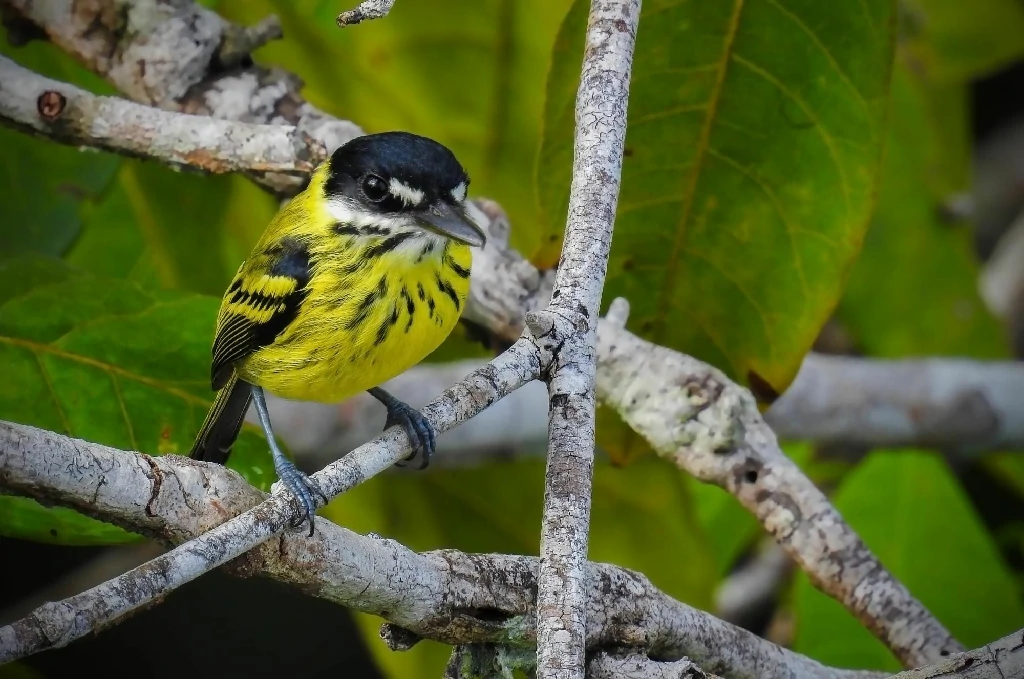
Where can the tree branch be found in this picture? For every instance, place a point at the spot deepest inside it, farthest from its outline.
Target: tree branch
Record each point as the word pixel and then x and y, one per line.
pixel 704 423
pixel 568 329
pixel 1002 659
pixel 367 10
pixel 638 666
pixel 173 54
pixel 72 116
pixel 955 405
pixel 58 624
pixel 445 595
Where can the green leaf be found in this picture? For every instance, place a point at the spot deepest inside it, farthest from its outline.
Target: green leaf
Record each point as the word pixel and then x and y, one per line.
pixel 914 265
pixel 107 361
pixel 953 42
pixel 911 511
pixel 469 74
pixel 43 184
pixel 755 137
pixel 147 226
pixel 643 518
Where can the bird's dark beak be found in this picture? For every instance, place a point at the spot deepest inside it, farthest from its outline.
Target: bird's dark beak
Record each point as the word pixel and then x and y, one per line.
pixel 452 222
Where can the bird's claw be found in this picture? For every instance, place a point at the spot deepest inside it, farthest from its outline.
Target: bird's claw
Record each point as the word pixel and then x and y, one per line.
pixel 302 488
pixel 421 433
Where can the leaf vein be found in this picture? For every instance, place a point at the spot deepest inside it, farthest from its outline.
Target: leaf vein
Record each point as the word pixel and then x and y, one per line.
pixel 690 189
pixel 826 136
pixel 789 14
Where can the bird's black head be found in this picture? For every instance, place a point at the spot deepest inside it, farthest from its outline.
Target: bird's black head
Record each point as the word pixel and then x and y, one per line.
pixel 401 178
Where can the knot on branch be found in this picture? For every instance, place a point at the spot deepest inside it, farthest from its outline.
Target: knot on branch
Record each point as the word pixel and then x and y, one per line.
pixel 552 328
pixel 51 105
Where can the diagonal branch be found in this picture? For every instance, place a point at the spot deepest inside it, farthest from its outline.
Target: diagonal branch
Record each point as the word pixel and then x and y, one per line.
pixel 696 417
pixel 58 624
pixel 568 329
pixel 448 596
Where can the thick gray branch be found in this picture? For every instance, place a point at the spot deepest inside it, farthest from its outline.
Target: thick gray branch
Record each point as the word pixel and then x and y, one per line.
pixel 445 595
pixel 568 331
pixel 172 54
pixel 58 624
pixel 703 422
pixel 70 115
pixel 959 406
pixel 1002 659
pixel 639 666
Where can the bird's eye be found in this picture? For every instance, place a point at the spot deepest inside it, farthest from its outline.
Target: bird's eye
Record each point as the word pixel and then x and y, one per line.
pixel 375 188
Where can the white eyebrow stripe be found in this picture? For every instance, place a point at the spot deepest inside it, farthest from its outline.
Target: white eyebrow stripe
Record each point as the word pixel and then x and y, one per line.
pixel 459 192
pixel 408 194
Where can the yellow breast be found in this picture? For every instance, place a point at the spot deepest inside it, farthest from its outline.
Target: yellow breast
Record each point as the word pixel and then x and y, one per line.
pixel 373 310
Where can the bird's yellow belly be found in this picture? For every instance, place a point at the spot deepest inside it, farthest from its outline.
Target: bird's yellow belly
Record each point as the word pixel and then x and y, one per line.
pixel 400 330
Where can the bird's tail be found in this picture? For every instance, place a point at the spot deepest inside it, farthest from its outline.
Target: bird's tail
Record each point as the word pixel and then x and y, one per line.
pixel 224 421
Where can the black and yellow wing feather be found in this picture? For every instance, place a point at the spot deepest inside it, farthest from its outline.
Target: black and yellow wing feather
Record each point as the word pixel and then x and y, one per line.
pixel 262 300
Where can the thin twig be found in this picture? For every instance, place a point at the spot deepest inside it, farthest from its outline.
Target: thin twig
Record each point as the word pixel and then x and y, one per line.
pixel 568 330
pixel 58 624
pixel 448 596
pixel 367 10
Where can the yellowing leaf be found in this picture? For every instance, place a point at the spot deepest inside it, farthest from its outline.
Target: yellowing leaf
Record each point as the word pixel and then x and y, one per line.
pixel 755 136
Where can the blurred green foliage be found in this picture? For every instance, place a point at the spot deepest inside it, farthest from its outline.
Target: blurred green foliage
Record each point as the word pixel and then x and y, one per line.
pixel 755 150
pixel 910 510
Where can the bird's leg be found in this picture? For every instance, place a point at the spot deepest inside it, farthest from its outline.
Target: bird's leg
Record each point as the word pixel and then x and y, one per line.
pixel 300 485
pixel 420 431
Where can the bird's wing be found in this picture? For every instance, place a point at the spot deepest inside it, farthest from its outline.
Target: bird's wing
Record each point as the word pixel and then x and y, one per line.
pixel 262 300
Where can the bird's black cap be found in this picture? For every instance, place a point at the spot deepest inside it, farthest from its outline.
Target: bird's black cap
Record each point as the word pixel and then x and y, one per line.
pixel 419 163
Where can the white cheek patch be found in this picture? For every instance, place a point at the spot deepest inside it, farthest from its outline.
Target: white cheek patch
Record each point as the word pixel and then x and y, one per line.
pixel 406 193
pixel 459 192
pixel 345 213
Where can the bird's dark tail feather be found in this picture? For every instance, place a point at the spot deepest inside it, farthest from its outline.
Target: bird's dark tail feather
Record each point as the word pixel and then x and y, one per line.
pixel 224 421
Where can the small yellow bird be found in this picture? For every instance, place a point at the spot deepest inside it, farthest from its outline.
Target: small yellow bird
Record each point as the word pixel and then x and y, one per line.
pixel 361 276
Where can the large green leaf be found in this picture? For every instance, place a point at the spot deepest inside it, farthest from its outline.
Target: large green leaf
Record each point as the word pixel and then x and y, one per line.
pixel 642 518
pixel 106 361
pixel 914 264
pixel 467 73
pixel 754 141
pixel 951 41
pixel 911 511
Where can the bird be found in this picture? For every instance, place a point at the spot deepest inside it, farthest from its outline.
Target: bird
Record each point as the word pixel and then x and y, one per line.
pixel 359 277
